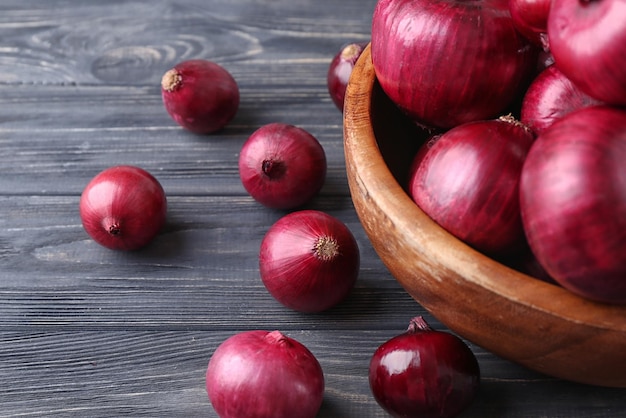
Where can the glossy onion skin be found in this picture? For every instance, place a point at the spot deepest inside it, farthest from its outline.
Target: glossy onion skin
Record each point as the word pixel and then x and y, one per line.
pixel 340 69
pixel 300 166
pixel 424 373
pixel 261 374
pixel 587 40
pixel 127 198
pixel 530 17
pixel 292 271
pixel 549 97
pixel 468 182
pixel 573 202
pixel 448 62
pixel 200 95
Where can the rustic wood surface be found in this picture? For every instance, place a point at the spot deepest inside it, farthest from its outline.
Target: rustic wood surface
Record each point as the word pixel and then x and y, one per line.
pixel 89 332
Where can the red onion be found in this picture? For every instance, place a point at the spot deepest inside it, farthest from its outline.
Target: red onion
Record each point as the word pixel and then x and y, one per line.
pixel 200 95
pixel 309 261
pixel 260 374
pixel 282 166
pixel 340 69
pixel 549 97
pixel 530 17
pixel 468 182
pixel 588 41
pixel 448 62
pixel 424 373
pixel 123 208
pixel 573 202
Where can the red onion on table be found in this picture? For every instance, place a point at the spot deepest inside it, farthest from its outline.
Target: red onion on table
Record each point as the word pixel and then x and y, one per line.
pixel 448 62
pixel 468 182
pixel 200 95
pixel 309 261
pixel 282 166
pixel 340 69
pixel 549 97
pixel 123 208
pixel 573 202
pixel 424 373
pixel 261 374
pixel 587 40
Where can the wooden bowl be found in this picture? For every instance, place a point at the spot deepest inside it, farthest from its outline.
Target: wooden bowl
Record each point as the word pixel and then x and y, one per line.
pixel 528 321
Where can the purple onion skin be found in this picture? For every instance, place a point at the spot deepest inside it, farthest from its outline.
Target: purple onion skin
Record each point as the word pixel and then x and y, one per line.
pixel 448 62
pixel 340 69
pixel 292 269
pixel 468 182
pixel 587 40
pixel 530 18
pixel 424 373
pixel 123 208
pixel 549 97
pixel 573 202
pixel 282 166
pixel 200 95
pixel 261 374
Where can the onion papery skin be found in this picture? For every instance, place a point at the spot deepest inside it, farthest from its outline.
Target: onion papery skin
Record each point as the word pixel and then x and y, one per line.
pixel 468 182
pixel 298 166
pixel 588 40
pixel 573 202
pixel 448 62
pixel 261 374
pixel 549 97
pixel 200 95
pixel 530 18
pixel 340 69
pixel 424 373
pixel 296 273
pixel 123 208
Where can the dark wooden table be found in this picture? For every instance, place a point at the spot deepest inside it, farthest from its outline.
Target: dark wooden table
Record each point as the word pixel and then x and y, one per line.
pixel 89 332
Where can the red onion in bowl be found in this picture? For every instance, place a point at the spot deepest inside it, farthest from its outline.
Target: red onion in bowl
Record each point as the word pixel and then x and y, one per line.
pixel 282 166
pixel 468 182
pixel 340 69
pixel 424 373
pixel 123 208
pixel 448 62
pixel 530 17
pixel 573 202
pixel 200 95
pixel 549 97
pixel 260 374
pixel 309 261
pixel 588 41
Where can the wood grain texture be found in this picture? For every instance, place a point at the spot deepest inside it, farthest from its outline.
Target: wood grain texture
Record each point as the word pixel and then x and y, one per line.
pixel 87 332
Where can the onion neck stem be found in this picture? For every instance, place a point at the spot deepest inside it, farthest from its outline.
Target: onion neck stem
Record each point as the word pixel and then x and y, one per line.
pixel 418 324
pixel 272 168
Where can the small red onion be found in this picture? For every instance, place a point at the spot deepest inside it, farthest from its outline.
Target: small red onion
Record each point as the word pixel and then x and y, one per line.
pixel 340 69
pixel 123 208
pixel 424 373
pixel 200 95
pixel 573 202
pixel 448 62
pixel 468 182
pixel 309 261
pixel 549 97
pixel 588 41
pixel 282 166
pixel 261 374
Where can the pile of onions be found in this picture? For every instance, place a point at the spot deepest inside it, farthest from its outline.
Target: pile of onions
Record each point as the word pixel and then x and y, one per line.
pixel 554 184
